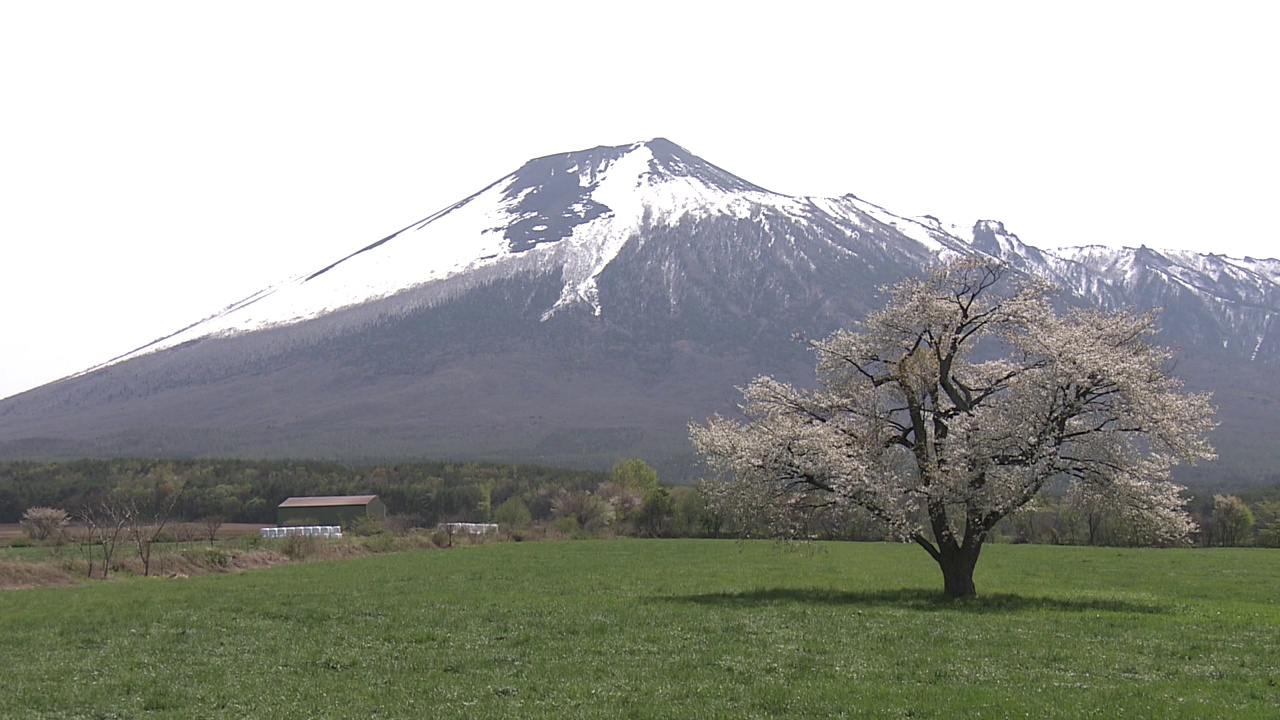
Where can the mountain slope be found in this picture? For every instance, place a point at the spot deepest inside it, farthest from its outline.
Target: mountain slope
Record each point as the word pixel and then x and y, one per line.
pixel 583 308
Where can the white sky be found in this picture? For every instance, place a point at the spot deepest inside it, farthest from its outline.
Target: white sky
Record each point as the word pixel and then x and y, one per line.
pixel 160 160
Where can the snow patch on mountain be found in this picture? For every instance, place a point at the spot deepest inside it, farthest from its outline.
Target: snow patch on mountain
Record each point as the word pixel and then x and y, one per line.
pixel 1246 279
pixel 643 189
pixel 911 228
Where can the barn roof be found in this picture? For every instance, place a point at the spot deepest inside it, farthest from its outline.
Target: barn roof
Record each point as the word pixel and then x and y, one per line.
pixel 328 501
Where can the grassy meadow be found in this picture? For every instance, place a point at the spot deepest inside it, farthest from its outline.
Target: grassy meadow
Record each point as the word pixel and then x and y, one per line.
pixel 661 628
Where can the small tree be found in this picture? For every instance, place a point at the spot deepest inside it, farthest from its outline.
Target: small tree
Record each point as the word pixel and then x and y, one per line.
pixel 512 514
pixel 625 501
pixel 104 522
pixel 582 510
pixel 148 507
pixel 42 523
pixel 1266 527
pixel 635 474
pixel 1231 523
pixel 688 511
pixel 216 504
pixel 953 407
pixel 653 517
pixel 211 524
pixel 637 496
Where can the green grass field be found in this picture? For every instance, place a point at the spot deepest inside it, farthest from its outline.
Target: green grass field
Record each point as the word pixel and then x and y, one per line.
pixel 678 628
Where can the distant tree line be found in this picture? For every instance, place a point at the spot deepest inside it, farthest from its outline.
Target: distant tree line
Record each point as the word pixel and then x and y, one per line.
pixel 249 490
pixel 1221 521
pixel 1249 519
pixel 629 500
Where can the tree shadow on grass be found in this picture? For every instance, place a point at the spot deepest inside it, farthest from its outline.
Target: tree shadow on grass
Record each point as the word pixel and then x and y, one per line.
pixel 918 599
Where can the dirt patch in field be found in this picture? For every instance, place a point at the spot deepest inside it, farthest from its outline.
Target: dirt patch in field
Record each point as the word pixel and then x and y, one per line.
pixel 234 530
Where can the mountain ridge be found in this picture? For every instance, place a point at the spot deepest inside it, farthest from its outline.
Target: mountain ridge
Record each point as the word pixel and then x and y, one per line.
pixel 530 225
pixel 584 307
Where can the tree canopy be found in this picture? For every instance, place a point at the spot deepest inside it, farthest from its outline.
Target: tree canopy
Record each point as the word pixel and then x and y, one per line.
pixel 954 406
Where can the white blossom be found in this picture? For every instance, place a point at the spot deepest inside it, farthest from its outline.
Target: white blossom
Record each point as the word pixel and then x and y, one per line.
pixel 953 407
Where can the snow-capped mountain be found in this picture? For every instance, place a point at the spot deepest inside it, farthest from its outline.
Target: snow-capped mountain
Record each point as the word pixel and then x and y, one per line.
pixel 1207 300
pixel 583 308
pixel 571 213
pixel 1232 300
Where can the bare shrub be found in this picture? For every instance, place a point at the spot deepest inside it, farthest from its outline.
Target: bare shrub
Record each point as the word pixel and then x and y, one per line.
pixel 185 533
pixel 212 524
pixel 300 547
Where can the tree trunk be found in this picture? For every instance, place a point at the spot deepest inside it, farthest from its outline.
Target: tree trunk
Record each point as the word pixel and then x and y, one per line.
pixel 957 570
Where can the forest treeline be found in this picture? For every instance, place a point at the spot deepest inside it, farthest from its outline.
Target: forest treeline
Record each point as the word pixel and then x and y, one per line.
pixel 249 490
pixel 627 500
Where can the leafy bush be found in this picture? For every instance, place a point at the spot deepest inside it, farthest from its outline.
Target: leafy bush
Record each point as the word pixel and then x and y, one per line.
pixel 365 526
pixel 513 514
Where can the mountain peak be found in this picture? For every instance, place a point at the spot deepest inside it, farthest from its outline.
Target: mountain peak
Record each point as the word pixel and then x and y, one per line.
pixel 992 227
pixel 656 160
